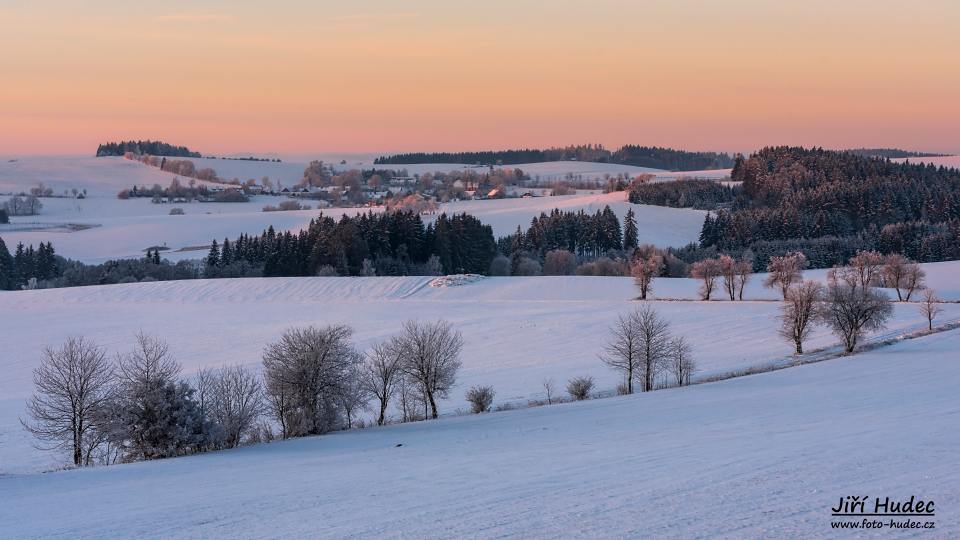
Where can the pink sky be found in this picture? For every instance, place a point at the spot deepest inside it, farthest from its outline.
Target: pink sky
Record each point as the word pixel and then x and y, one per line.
pixel 378 75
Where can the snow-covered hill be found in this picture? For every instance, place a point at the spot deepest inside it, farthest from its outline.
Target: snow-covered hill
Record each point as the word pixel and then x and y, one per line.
pixel 104 227
pixel 517 331
pixel 764 456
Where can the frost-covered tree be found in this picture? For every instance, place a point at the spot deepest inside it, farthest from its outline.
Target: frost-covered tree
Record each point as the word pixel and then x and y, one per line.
pixel 480 398
pixel 930 307
pixel 707 271
pixel 850 311
pixel 303 373
pixel 799 312
pixel 902 275
pixel 72 383
pixel 235 403
pixel 352 395
pixel 559 262
pixel 784 271
pixel 645 267
pixel 431 358
pixel 381 373
pixel 579 388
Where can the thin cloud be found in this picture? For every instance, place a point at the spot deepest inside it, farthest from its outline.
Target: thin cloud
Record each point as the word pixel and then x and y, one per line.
pixel 194 18
pixel 373 17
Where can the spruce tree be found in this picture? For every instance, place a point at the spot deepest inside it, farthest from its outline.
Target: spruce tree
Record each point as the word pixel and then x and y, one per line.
pixel 630 230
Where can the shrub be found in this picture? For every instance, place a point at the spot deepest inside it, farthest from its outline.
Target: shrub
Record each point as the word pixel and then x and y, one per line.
pixel 176 211
pixel 480 398
pixel 579 387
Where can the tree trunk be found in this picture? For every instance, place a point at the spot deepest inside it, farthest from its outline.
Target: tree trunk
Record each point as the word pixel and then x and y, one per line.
pixel 433 404
pixel 383 412
pixel 799 346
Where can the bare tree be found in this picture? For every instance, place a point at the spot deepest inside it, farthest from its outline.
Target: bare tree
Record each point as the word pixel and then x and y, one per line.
pixel 559 262
pixel 799 311
pixel 644 269
pixel 480 398
pixel 707 270
pixel 352 395
pixel 930 307
pixel 431 357
pixel 72 383
pixel 728 270
pixel 148 366
pixel 744 271
pixel 913 279
pixel 549 389
pixel 851 311
pixel 303 373
pixel 381 373
pixel 785 270
pixel 579 388
pixel 681 363
pixel 638 347
pixel 236 402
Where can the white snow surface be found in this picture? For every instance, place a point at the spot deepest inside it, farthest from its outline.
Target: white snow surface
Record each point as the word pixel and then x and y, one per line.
pixel 517 331
pixel 764 456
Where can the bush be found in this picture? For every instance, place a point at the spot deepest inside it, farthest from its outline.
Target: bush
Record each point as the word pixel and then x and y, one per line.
pixel 500 266
pixel 480 398
pixel 230 196
pixel 327 271
pixel 176 211
pixel 528 267
pixel 579 387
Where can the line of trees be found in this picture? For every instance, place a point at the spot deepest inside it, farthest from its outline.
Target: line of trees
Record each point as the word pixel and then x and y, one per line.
pixel 683 193
pixel 27 265
pixel 314 380
pixel 641 156
pixel 385 244
pixel 849 305
pixel 156 148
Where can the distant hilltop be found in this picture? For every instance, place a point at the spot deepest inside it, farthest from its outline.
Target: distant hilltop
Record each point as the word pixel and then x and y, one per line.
pixel 654 157
pixel 153 148
pixel 892 153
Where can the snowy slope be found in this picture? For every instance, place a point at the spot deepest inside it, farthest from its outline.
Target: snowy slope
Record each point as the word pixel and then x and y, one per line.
pixel 517 331
pixel 765 456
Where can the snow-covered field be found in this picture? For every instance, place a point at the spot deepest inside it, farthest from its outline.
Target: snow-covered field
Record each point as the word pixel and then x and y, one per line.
pixel 517 331
pixel 764 456
pixel 126 228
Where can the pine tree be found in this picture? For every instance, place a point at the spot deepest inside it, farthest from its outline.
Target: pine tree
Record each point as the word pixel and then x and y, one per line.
pixel 213 258
pixel 7 269
pixel 630 230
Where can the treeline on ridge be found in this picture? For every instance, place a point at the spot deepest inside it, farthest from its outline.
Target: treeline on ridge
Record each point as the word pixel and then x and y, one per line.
pixel 641 156
pixel 148 147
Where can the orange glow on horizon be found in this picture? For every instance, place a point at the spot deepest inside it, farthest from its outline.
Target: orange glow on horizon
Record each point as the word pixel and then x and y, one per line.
pixel 300 77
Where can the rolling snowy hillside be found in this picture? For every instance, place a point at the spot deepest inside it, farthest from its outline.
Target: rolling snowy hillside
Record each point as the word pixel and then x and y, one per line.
pixel 517 331
pixel 764 456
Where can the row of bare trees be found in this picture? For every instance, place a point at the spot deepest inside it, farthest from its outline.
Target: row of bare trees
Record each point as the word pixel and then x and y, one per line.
pixel 137 407
pixel 848 305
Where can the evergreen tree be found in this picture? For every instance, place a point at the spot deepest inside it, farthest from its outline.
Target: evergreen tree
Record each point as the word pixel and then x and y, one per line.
pixel 629 230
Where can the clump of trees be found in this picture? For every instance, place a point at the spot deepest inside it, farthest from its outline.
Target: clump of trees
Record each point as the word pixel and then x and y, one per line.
pixel 579 388
pixel 642 348
pixel 28 265
pixel 849 306
pixel 22 205
pixel 156 148
pixel 136 408
pixel 683 193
